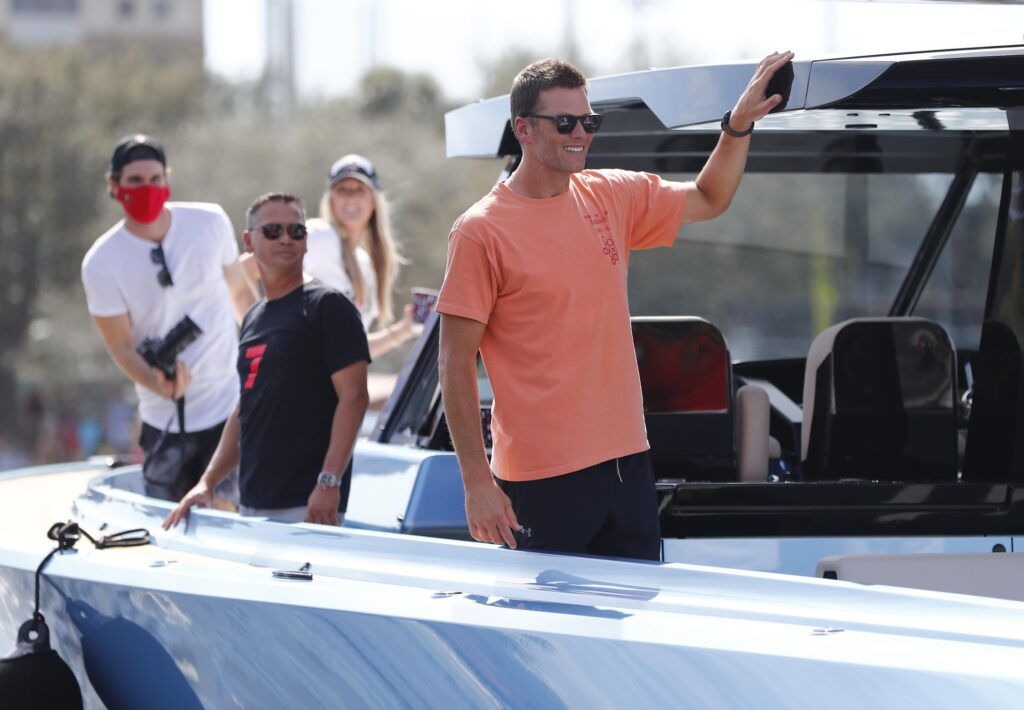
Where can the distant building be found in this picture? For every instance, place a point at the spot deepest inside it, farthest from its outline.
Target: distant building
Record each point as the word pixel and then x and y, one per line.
pixel 71 22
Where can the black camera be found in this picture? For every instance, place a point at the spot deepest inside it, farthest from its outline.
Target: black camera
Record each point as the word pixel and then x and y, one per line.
pixel 163 352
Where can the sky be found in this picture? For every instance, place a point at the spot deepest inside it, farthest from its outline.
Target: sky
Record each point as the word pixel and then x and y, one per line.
pixel 337 40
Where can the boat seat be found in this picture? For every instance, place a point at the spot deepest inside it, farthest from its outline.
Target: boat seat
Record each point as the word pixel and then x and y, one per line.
pixel 993 437
pixel 879 402
pixel 692 418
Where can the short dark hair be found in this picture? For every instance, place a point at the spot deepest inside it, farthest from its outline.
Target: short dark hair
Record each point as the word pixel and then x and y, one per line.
pixel 541 76
pixel 285 197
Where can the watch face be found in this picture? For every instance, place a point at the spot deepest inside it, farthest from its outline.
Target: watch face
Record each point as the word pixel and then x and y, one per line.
pixel 327 480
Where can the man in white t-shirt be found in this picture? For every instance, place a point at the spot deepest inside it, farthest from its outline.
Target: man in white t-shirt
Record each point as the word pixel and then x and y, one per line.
pixel 163 262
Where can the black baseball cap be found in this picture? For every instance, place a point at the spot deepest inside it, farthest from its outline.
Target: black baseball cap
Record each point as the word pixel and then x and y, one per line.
pixel 136 147
pixel 353 166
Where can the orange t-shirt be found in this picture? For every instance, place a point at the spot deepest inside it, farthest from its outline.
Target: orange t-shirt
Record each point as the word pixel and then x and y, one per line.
pixel 548 279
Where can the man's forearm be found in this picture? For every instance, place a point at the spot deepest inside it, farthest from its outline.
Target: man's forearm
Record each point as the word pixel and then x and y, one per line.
pixel 462 413
pixel 226 457
pixel 134 367
pixel 348 418
pixel 720 177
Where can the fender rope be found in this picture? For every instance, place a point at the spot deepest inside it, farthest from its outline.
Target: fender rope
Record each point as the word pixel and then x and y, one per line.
pixel 67 536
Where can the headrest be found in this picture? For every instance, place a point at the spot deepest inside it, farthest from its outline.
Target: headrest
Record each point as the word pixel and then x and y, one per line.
pixel 683 363
pixel 879 365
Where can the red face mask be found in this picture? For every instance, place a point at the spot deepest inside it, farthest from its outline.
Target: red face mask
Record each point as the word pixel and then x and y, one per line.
pixel 143 203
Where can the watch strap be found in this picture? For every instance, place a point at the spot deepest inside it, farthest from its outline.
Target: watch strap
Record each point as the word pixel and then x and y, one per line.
pixel 730 131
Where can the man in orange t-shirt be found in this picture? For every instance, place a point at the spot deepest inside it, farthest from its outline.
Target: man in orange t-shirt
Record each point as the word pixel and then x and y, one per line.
pixel 536 282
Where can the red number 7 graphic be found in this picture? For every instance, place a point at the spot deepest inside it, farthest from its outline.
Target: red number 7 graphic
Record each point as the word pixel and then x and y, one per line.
pixel 255 356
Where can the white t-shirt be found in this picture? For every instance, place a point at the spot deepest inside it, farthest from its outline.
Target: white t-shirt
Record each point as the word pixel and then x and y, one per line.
pixel 323 262
pixel 120 277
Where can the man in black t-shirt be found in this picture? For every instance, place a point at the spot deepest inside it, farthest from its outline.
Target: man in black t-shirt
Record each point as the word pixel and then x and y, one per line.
pixel 302 361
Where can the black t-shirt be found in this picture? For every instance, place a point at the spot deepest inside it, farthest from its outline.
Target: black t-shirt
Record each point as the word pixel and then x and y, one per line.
pixel 288 350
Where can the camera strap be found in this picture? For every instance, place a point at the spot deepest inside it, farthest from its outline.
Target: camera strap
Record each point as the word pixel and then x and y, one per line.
pixel 180 402
pixel 180 406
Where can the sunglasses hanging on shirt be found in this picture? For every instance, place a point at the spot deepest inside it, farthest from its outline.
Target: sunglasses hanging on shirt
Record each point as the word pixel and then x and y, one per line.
pixel 163 276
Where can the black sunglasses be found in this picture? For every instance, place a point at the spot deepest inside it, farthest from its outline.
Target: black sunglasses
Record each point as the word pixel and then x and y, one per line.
pixel 272 230
pixel 163 276
pixel 565 123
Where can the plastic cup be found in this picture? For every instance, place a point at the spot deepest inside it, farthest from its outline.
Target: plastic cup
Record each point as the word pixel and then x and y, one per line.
pixel 423 300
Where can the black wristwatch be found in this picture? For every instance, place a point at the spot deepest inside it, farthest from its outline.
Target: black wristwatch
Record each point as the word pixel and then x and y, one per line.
pixel 730 131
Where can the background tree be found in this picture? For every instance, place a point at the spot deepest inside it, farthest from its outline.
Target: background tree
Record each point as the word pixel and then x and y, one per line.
pixel 58 111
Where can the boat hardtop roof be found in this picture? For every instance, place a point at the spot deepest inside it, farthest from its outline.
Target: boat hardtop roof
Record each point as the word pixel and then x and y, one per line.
pixel 949 90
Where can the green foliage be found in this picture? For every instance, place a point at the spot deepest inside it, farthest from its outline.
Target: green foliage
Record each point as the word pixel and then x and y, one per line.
pixel 58 112
pixel 385 91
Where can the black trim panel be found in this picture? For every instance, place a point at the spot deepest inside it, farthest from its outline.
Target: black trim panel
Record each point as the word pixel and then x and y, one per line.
pixel 699 510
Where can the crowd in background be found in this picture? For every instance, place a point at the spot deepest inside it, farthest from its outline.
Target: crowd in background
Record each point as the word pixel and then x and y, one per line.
pixel 56 428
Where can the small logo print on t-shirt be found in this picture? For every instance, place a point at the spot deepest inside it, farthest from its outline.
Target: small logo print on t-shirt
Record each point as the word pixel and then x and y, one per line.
pixel 599 222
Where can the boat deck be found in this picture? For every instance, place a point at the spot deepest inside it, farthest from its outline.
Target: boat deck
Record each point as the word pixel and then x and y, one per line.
pixel 30 504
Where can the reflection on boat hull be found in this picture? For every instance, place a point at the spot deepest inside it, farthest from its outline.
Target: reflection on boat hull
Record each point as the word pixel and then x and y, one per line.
pixel 159 649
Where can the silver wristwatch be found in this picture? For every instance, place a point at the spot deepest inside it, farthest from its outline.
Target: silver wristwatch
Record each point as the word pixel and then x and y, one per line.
pixel 326 479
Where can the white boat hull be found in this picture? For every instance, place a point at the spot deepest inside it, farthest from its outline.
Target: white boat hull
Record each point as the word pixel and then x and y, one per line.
pixel 398 620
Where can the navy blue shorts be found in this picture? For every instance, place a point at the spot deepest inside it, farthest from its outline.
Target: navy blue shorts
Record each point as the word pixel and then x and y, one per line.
pixel 608 509
pixel 173 463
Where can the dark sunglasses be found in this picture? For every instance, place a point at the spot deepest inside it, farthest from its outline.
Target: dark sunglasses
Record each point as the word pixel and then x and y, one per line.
pixel 272 230
pixel 163 276
pixel 565 123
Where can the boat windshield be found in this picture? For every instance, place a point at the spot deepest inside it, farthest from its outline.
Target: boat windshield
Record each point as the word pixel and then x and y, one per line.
pixel 796 253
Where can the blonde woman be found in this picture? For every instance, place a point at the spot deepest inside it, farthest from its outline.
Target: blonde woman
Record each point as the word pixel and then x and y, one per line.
pixel 350 249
